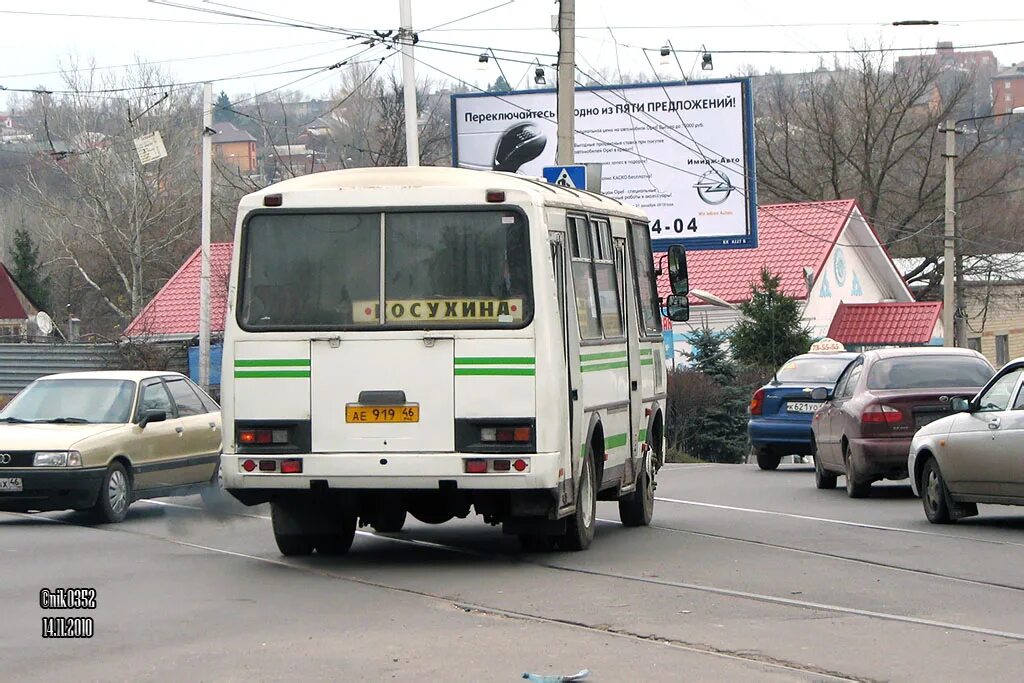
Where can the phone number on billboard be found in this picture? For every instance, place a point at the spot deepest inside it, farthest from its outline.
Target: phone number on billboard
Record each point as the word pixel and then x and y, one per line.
pixel 676 226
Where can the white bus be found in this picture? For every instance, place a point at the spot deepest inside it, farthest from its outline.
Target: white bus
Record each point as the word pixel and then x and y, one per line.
pixel 433 341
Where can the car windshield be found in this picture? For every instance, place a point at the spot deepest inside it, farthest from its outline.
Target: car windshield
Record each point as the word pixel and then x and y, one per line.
pixel 72 401
pixel 929 372
pixel 807 370
pixel 441 269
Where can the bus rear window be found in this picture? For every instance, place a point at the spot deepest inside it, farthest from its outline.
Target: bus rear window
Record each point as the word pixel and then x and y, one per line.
pixel 441 269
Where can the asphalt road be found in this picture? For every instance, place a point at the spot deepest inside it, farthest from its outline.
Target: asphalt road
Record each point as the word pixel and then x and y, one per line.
pixel 745 575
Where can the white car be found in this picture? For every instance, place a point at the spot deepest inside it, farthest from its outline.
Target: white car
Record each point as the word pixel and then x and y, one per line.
pixel 975 455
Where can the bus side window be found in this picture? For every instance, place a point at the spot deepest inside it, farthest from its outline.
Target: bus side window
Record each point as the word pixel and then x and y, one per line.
pixel 608 300
pixel 583 279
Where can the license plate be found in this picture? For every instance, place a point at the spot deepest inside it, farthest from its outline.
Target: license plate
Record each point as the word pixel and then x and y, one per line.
pixel 12 484
pixel 927 418
pixel 802 406
pixel 357 414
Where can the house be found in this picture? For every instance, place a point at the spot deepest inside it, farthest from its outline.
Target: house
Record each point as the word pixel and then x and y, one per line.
pixel 1008 89
pixel 826 255
pixel 234 147
pixel 16 309
pixel 173 314
pixel 13 129
pixel 994 293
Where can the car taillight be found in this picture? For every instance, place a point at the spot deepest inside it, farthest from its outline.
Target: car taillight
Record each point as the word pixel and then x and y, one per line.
pixel 757 402
pixel 881 414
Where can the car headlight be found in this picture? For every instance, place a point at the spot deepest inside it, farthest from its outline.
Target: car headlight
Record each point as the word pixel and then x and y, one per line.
pixel 57 459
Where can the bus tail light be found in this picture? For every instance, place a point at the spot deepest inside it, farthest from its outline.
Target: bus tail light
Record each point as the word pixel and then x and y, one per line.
pixel 495 196
pixel 506 434
pixel 476 466
pixel 263 437
pixel 248 465
pixel 293 466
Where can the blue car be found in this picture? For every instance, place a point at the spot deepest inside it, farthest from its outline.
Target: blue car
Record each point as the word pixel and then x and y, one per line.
pixel 781 411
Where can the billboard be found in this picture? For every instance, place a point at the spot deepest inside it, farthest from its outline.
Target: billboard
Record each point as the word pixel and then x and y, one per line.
pixel 682 152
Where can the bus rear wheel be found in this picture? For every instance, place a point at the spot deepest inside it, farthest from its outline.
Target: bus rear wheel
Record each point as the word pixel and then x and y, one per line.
pixel 637 508
pixel 579 532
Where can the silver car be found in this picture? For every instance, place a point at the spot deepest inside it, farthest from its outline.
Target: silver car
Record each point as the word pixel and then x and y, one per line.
pixel 975 455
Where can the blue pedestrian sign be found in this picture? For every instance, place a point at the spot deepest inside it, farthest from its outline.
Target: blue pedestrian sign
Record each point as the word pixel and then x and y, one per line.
pixel 574 176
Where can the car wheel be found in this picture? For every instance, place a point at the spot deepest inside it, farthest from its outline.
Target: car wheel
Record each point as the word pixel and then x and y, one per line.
pixel 115 495
pixel 823 479
pixel 580 525
pixel 854 487
pixel 934 494
pixel 340 541
pixel 290 544
pixel 766 459
pixel 637 508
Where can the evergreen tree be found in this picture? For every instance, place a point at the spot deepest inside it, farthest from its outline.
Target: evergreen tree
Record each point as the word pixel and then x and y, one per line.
pixel 771 330
pixel 27 271
pixel 499 85
pixel 222 109
pixel 717 430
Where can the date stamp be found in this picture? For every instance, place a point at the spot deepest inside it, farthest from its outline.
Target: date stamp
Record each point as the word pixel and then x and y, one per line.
pixel 68 627
pixel 67 599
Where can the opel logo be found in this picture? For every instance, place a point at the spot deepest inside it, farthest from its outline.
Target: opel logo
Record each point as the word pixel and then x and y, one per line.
pixel 5 458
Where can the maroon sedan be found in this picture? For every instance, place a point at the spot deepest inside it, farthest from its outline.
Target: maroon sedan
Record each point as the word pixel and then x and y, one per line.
pixel 863 429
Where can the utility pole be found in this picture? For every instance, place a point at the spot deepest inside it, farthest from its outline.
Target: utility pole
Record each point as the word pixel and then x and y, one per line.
pixel 566 81
pixel 405 36
pixel 949 240
pixel 204 249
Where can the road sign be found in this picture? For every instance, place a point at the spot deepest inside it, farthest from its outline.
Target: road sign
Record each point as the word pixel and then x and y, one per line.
pixel 574 176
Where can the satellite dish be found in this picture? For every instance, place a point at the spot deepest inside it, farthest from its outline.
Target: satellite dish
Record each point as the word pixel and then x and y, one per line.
pixel 44 322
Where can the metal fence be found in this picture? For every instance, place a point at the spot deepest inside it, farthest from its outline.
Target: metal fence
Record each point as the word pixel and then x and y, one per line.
pixel 20 364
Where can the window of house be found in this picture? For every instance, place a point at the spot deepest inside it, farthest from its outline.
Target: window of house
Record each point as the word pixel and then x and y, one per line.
pixel 1002 349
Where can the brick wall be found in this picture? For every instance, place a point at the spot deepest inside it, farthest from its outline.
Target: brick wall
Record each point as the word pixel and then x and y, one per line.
pixel 996 310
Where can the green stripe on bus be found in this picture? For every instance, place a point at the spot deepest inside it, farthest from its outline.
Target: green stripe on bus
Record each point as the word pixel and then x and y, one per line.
pixel 643 435
pixel 646 361
pixel 615 441
pixel 511 360
pixel 646 352
pixel 263 374
pixel 599 356
pixel 272 363
pixel 495 371
pixel 604 366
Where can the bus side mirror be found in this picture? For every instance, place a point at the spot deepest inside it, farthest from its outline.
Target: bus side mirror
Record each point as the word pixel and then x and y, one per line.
pixel 677 273
pixel 677 308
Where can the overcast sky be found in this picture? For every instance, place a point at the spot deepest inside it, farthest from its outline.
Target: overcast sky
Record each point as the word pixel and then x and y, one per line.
pixel 223 47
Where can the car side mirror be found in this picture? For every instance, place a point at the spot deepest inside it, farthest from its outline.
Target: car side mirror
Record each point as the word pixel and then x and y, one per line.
pixel 678 276
pixel 959 404
pixel 677 308
pixel 151 416
pixel 820 394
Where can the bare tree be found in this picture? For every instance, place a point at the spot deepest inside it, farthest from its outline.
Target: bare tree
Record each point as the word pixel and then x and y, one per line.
pixel 367 126
pixel 121 228
pixel 868 132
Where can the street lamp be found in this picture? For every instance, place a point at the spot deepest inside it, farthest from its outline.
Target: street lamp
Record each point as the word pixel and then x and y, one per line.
pixel 712 299
pixel 949 331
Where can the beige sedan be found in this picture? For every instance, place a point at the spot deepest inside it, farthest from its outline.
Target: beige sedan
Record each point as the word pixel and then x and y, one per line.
pixel 98 441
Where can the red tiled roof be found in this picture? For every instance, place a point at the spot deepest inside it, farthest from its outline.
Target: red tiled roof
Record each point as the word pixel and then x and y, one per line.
pixel 790 237
pixel 175 308
pixel 10 305
pixel 885 323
